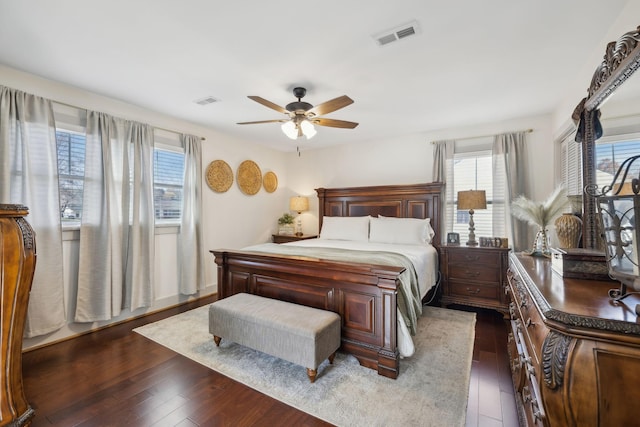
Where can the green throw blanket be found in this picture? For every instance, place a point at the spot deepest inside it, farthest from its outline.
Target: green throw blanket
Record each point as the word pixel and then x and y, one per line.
pixel 409 303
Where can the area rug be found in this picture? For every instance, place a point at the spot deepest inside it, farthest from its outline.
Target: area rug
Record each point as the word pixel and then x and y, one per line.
pixel 431 390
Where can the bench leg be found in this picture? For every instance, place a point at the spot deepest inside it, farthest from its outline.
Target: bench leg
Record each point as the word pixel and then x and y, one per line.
pixel 331 357
pixel 312 374
pixel 217 339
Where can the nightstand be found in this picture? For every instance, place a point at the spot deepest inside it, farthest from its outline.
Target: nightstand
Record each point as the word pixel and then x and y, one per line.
pixel 285 238
pixel 475 276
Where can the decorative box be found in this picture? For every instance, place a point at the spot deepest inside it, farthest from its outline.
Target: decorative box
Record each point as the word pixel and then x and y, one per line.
pixel 580 263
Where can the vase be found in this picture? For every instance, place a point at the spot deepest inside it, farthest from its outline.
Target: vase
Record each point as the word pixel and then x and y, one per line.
pixel 568 230
pixel 540 244
pixel 17 265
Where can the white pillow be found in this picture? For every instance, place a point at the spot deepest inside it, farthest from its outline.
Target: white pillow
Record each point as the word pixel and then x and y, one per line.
pixel 345 228
pixel 407 231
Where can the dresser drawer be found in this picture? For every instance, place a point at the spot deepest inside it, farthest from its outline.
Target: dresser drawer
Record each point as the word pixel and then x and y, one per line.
pixel 467 289
pixel 475 272
pixel 475 257
pixel 534 329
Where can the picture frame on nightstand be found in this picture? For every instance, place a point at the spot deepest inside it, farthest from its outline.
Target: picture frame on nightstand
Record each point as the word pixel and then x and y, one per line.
pixel 453 238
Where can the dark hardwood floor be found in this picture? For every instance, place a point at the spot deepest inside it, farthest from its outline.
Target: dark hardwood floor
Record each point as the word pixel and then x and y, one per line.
pixel 115 377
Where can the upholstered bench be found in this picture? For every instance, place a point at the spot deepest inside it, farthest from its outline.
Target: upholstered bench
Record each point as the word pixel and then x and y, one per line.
pixel 302 335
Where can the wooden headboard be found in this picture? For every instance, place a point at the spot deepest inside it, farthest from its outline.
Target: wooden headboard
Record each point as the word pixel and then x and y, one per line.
pixel 402 201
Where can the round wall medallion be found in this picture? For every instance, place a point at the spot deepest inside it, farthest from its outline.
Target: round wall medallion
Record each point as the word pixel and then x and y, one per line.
pixel 270 182
pixel 219 176
pixel 249 177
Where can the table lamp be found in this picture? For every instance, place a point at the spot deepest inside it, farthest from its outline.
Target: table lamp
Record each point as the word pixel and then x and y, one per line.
pixel 299 204
pixel 472 199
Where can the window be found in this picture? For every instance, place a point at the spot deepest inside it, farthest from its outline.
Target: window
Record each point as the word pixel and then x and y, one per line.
pixel 609 155
pixel 70 150
pixel 168 164
pixel 571 164
pixel 473 171
pixel 168 170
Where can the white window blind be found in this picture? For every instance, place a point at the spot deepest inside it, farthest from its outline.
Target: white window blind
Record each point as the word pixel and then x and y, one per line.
pixel 472 171
pixel 168 176
pixel 571 164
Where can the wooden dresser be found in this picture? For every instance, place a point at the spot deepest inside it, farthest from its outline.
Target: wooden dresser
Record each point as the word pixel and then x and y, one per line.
pixel 474 276
pixel 575 355
pixel 17 265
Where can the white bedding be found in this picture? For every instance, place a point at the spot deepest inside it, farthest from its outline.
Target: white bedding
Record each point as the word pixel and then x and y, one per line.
pixel 424 258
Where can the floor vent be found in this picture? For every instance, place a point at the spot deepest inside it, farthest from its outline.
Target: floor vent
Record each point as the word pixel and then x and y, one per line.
pixel 398 33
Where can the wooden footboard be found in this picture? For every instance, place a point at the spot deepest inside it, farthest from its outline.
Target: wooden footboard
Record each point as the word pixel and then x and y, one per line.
pixel 364 296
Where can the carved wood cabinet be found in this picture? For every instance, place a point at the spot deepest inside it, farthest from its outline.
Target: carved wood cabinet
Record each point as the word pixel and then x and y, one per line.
pixel 17 265
pixel 575 355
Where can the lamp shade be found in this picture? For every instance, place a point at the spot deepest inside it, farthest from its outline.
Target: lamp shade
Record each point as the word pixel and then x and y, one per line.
pixel 308 129
pixel 299 204
pixel 289 129
pixel 472 199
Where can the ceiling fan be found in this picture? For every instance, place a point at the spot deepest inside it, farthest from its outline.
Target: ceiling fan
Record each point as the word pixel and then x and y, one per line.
pixel 302 115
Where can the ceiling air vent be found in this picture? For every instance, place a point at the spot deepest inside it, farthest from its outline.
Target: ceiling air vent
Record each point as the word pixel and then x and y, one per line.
pixel 206 101
pixel 398 33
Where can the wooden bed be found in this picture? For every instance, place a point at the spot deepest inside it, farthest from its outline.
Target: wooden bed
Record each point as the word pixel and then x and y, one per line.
pixel 364 295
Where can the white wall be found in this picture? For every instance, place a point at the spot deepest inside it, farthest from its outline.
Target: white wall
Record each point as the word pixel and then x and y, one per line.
pixel 231 220
pixel 627 21
pixel 409 160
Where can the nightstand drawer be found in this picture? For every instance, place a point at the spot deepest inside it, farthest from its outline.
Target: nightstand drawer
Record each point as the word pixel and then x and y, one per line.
pixel 475 257
pixel 468 289
pixel 474 272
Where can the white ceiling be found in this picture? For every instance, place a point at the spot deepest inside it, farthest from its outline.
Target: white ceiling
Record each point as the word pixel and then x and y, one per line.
pixel 473 62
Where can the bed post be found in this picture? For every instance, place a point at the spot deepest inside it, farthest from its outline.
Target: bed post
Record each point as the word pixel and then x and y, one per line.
pixel 388 355
pixel 321 198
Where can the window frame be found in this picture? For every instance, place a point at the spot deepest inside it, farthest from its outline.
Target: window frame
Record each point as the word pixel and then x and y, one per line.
pixel 614 139
pixel 167 145
pixel 471 151
pixel 73 120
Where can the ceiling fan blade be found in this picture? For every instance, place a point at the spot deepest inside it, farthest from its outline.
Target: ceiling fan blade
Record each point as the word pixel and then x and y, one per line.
pixel 334 123
pixel 264 121
pixel 269 104
pixel 330 106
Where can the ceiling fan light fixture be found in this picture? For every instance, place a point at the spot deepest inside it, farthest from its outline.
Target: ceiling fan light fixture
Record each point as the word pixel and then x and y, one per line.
pixel 308 129
pixel 289 129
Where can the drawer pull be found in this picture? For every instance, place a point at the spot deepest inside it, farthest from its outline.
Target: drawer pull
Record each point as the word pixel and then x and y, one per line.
pixel 518 325
pixel 472 257
pixel 473 291
pixel 472 273
pixel 537 415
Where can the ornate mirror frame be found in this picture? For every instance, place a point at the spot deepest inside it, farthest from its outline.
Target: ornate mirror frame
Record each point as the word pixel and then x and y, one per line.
pixel 621 60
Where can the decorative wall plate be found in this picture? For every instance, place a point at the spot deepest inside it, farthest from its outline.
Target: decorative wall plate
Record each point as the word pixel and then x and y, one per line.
pixel 249 177
pixel 270 182
pixel 219 176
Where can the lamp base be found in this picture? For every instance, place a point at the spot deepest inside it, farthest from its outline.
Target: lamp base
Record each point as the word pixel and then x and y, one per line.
pixel 472 243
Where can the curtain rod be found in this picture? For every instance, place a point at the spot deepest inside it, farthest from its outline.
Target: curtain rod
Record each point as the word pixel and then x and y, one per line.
pixel 156 127
pixel 481 136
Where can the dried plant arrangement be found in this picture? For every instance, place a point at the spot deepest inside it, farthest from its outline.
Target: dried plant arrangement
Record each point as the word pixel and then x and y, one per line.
pixel 540 214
